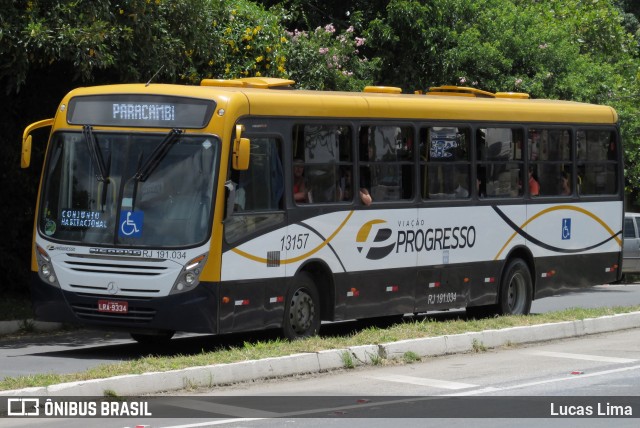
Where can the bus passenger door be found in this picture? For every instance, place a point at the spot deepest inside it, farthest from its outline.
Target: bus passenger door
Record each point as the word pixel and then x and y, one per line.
pixel 252 292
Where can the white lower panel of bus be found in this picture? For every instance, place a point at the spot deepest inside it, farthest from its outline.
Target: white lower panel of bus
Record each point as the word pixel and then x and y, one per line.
pixel 373 239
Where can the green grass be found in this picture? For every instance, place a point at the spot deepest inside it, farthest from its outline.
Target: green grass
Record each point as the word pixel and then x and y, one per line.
pixel 278 347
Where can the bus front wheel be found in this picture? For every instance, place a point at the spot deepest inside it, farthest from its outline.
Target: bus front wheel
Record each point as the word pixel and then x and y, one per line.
pixel 516 289
pixel 302 309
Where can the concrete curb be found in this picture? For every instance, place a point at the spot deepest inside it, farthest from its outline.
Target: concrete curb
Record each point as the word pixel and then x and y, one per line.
pixel 221 374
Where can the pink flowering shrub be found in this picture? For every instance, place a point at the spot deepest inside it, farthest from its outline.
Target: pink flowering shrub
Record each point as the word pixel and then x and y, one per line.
pixel 328 59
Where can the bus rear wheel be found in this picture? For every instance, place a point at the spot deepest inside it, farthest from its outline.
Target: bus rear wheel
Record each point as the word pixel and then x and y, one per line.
pixel 516 289
pixel 302 309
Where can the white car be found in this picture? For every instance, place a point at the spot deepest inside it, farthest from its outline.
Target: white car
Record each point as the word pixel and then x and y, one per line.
pixel 631 249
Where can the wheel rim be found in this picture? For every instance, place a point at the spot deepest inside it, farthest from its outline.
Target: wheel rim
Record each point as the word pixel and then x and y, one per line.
pixel 301 312
pixel 516 294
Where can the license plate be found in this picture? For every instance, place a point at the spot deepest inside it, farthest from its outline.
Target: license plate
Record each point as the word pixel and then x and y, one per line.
pixel 113 306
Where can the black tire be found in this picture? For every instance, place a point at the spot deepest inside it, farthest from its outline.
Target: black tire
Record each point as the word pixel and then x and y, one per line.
pixel 516 289
pixel 302 310
pixel 156 339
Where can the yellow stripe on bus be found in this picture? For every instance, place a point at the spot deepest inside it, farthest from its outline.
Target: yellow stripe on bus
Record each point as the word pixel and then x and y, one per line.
pixel 301 257
pixel 556 208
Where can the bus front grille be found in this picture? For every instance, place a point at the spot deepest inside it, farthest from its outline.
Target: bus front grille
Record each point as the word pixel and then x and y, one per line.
pixel 102 291
pixel 115 268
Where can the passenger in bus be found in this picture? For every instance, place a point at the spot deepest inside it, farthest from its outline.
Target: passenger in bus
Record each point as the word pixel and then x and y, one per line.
pixel 365 197
pixel 367 150
pixel 534 186
pixel 346 188
pixel 564 184
pixel 299 185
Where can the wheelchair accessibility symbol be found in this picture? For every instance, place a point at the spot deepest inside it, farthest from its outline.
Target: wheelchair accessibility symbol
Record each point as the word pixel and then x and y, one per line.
pixel 566 228
pixel 131 224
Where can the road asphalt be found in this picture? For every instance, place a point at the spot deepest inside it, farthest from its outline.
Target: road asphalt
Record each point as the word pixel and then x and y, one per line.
pixel 323 361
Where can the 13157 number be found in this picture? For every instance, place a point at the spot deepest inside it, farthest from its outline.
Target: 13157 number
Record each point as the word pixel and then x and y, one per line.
pixel 294 242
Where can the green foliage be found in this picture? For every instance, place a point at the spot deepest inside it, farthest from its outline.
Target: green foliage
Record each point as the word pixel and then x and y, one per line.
pixel 552 49
pixel 477 346
pixel 347 360
pixel 124 41
pixel 410 357
pixel 252 42
pixel 322 59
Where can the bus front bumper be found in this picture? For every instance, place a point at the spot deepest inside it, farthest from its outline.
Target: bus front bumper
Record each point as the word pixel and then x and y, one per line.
pixel 194 311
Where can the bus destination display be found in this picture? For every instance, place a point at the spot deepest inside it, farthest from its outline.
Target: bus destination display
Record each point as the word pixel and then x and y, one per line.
pixel 140 110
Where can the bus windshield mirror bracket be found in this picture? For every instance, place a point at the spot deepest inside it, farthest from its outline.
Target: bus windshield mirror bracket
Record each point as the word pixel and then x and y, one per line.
pixel 94 151
pixel 156 156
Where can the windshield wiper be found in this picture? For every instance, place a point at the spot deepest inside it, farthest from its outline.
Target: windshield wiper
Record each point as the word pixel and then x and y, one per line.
pixel 94 151
pixel 156 156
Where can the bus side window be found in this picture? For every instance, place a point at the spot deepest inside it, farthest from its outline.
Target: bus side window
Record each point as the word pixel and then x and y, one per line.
pixel 550 157
pixel 259 190
pixel 596 155
pixel 386 159
pixel 321 155
pixel 500 154
pixel 445 164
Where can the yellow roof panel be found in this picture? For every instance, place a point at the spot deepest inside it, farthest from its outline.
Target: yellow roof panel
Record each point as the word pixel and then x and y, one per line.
pixel 270 102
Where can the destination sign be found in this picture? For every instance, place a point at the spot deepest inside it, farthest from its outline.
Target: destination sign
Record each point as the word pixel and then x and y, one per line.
pixel 155 111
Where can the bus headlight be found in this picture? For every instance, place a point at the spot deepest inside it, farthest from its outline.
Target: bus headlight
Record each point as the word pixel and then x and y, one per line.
pixel 190 275
pixel 45 267
pixel 189 278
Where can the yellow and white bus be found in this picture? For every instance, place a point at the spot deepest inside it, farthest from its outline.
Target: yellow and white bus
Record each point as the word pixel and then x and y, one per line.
pixel 235 205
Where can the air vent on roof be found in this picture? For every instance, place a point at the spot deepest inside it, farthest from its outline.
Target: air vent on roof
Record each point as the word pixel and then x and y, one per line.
pixel 462 91
pixel 459 91
pixel 516 95
pixel 382 90
pixel 250 82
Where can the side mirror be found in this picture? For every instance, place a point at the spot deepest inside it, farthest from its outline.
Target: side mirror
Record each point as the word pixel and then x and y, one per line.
pixel 241 151
pixel 25 159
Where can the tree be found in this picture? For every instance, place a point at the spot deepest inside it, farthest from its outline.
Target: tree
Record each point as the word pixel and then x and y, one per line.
pixel 49 47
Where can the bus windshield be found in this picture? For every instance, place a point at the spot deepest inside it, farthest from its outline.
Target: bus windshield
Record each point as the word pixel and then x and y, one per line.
pixel 94 192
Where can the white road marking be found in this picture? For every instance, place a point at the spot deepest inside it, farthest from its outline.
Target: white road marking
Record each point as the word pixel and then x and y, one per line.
pixel 580 357
pixel 436 383
pixel 222 409
pixel 404 400
pixel 542 382
pixel 218 422
pixel 425 382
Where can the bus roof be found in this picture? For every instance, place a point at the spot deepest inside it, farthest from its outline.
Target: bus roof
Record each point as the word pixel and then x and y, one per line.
pixel 306 103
